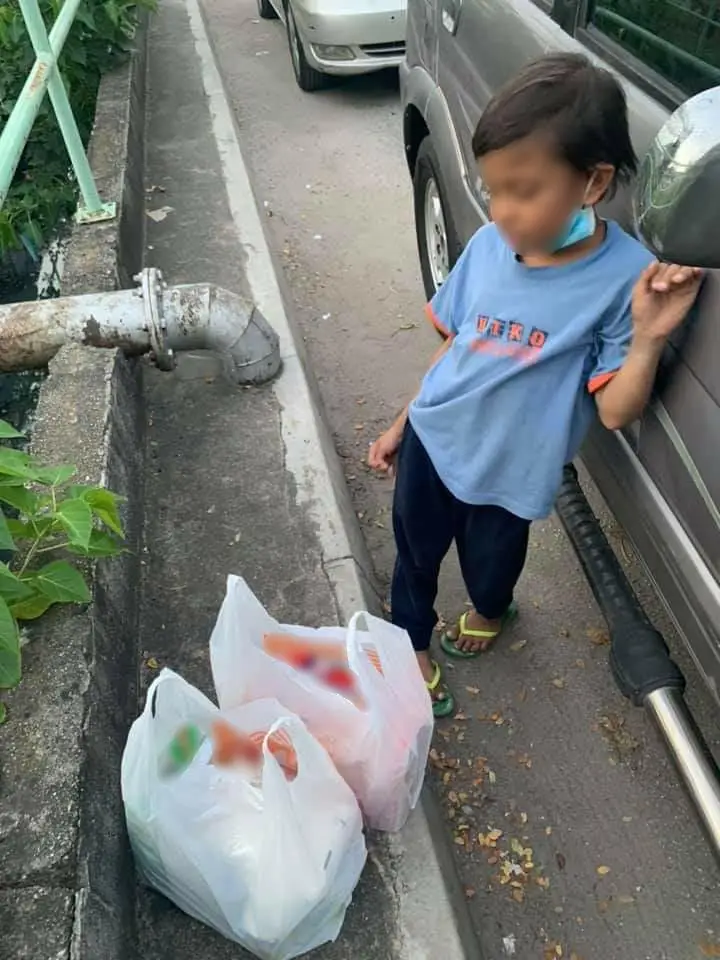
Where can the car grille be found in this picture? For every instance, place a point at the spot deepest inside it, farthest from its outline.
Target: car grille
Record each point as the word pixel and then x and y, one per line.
pixel 394 49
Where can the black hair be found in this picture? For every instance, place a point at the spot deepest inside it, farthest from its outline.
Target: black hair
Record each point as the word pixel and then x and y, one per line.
pixel 581 107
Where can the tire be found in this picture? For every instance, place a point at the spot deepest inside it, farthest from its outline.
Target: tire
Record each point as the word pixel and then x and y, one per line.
pixel 429 193
pixel 266 10
pixel 308 79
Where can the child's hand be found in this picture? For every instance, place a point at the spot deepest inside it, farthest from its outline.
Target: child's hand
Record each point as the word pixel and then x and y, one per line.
pixel 661 299
pixel 384 451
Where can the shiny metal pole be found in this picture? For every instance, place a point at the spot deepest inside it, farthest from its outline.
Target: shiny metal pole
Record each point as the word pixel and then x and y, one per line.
pixel 691 755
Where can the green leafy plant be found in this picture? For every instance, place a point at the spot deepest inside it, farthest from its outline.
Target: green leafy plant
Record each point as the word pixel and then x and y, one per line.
pixel 43 517
pixel 43 191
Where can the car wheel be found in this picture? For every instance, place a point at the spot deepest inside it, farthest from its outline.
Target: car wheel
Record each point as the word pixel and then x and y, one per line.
pixel 437 239
pixel 308 79
pixel 266 10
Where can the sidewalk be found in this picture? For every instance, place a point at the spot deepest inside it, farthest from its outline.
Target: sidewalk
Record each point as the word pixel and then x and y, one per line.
pixel 245 481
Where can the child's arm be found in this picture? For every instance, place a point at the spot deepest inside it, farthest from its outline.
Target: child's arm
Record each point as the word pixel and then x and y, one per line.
pixel 383 451
pixel 661 299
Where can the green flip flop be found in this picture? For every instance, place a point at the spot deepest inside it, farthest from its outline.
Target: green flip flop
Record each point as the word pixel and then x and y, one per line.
pixel 441 707
pixel 449 644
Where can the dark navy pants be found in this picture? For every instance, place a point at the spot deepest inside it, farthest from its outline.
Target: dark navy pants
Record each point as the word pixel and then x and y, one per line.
pixel 491 544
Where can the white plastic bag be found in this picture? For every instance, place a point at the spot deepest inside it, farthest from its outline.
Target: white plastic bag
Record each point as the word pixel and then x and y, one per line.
pixel 379 743
pixel 270 864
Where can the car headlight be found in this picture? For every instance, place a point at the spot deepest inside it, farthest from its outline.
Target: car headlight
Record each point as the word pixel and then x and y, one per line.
pixel 331 51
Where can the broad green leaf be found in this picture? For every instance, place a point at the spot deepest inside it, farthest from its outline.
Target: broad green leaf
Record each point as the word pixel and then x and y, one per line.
pixel 18 465
pixel 76 518
pixel 19 497
pixel 11 588
pixel 10 671
pixel 32 608
pixel 7 481
pixel 101 544
pixel 104 505
pixel 54 476
pixel 29 529
pixel 8 432
pixel 3 713
pixel 6 540
pixel 61 583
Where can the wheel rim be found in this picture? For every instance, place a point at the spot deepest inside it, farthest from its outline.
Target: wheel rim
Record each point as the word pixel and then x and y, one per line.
pixel 294 41
pixel 436 242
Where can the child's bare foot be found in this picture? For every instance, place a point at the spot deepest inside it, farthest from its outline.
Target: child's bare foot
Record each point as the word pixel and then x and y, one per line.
pixel 473 623
pixel 474 633
pixel 442 700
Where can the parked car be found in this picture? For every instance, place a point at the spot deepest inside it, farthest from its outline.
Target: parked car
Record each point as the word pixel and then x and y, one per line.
pixel 339 37
pixel 660 477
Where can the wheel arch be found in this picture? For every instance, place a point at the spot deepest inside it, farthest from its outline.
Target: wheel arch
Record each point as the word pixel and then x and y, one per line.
pixel 415 129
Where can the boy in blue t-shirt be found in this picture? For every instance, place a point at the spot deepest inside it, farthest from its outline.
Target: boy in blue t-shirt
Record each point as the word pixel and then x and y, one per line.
pixel 550 316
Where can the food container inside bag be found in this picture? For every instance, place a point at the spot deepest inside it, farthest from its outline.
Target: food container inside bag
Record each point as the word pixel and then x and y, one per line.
pixel 377 730
pixel 266 850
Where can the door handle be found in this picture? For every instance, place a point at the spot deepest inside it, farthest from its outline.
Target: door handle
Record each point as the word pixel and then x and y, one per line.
pixel 451 15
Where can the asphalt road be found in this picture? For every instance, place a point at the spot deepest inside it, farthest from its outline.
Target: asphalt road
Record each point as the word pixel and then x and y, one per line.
pixel 545 768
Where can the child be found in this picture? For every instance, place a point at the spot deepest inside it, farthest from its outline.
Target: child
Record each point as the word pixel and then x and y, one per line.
pixel 546 322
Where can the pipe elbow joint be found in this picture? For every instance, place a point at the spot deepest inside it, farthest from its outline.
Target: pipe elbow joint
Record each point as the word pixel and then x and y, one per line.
pixel 207 317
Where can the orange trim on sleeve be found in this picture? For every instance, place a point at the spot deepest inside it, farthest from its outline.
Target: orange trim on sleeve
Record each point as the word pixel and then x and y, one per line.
pixel 602 380
pixel 433 318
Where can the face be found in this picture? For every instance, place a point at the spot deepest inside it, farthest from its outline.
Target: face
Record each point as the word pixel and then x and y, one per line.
pixel 533 192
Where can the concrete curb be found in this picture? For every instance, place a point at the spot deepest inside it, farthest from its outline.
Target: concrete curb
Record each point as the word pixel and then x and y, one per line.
pixel 66 876
pixel 433 919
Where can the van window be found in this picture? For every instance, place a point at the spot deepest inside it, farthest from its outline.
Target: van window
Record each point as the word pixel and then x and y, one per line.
pixel 680 39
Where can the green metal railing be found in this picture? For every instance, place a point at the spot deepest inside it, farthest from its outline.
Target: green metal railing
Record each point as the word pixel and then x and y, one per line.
pixel 45 78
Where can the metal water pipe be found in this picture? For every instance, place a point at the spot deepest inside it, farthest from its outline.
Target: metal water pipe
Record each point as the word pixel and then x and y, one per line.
pixel 152 318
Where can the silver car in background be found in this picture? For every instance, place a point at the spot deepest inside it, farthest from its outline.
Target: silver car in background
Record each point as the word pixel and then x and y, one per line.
pixel 339 37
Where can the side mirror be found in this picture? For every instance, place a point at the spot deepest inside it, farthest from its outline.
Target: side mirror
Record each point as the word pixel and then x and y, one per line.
pixel 675 203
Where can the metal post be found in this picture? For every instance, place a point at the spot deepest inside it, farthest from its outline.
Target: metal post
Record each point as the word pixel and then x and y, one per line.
pixel 46 76
pixel 93 209
pixel 20 122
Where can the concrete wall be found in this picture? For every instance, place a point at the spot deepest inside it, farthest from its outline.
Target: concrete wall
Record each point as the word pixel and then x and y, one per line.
pixel 66 880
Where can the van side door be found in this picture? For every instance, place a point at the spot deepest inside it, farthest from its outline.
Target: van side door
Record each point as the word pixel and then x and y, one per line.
pixel 481 45
pixel 667 50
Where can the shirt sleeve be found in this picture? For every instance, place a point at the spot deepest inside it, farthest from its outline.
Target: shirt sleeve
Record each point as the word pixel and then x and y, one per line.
pixel 445 309
pixel 612 343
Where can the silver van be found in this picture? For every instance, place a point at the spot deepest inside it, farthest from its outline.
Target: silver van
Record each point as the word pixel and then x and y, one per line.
pixel 661 477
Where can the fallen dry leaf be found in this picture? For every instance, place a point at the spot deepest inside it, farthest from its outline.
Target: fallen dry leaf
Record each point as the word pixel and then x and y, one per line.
pixel 473 691
pixel 518 895
pixel 560 860
pixel 515 647
pixel 152 663
pixel 559 683
pixel 603 871
pixel 710 949
pixel 470 892
pixel 598 638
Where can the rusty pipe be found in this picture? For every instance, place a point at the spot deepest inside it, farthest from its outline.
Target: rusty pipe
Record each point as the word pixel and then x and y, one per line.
pixel 152 318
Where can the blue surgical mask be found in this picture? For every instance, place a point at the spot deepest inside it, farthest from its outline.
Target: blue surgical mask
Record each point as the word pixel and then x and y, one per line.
pixel 580 226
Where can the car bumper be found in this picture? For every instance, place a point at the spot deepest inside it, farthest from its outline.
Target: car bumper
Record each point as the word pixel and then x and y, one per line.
pixel 351 41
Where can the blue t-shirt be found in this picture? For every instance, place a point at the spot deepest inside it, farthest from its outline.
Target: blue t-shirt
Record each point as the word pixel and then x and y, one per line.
pixel 510 402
